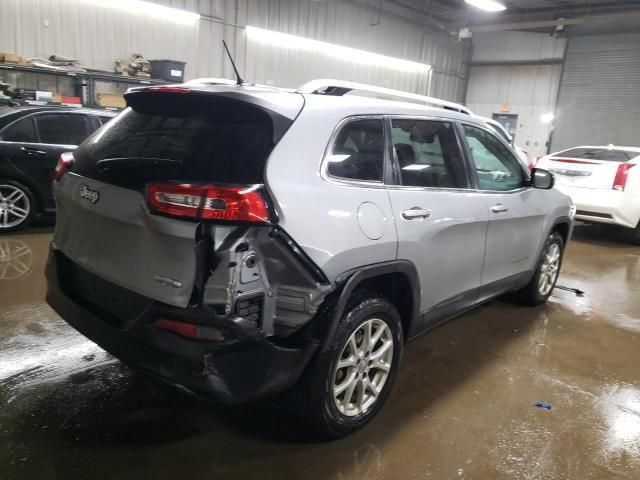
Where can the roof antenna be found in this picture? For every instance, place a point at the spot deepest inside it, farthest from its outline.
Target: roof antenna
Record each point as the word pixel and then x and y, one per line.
pixel 239 80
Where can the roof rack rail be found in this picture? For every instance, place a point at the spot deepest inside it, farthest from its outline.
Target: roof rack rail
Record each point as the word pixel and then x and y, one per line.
pixel 340 87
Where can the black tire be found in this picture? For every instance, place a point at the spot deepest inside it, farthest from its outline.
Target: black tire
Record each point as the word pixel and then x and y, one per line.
pixel 14 224
pixel 531 294
pixel 317 394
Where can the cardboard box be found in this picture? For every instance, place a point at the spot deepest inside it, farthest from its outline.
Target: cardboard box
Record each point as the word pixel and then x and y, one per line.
pixel 111 100
pixel 71 100
pixel 12 58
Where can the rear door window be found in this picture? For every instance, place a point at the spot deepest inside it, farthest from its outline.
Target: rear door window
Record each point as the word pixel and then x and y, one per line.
pixel 62 129
pixel 22 131
pixel 189 138
pixel 358 151
pixel 427 153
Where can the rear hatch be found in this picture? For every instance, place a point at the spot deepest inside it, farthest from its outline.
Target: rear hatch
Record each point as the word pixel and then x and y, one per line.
pixel 588 167
pixel 132 202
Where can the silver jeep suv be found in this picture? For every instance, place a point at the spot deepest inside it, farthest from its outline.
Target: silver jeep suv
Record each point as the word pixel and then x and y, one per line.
pixel 242 241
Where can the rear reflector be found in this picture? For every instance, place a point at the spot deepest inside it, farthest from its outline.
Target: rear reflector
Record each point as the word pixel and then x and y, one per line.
pixel 620 181
pixel 64 164
pixel 190 330
pixel 209 202
pixel 573 160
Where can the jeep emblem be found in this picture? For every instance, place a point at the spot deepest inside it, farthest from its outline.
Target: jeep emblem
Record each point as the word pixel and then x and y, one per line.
pixel 89 194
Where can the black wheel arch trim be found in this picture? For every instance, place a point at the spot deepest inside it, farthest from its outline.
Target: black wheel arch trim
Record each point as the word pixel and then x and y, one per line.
pixel 558 221
pixel 349 281
pixel 562 221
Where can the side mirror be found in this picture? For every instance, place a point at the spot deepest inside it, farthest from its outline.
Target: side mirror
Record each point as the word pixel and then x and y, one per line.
pixel 542 179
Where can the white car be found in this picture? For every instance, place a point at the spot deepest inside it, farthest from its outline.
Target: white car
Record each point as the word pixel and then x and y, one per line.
pixel 602 182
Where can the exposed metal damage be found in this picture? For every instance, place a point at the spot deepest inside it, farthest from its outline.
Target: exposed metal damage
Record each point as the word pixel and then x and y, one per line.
pixel 267 282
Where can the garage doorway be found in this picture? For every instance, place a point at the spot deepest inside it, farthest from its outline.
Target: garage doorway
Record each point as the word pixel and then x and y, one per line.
pixel 509 121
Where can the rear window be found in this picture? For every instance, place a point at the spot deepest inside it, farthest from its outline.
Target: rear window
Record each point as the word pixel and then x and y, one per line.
pixel 190 138
pixel 599 154
pixel 358 151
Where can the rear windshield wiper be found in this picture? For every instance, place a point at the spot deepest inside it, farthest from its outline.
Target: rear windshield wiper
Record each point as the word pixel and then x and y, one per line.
pixel 124 163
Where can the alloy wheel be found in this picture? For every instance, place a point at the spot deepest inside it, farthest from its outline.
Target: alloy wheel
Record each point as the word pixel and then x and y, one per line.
pixel 14 206
pixel 549 269
pixel 363 368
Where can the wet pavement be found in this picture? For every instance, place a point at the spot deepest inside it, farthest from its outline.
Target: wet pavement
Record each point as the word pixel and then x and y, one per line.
pixel 462 407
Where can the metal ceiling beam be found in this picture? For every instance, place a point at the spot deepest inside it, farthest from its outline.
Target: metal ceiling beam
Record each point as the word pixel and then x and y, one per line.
pixel 443 21
pixel 517 63
pixel 553 23
pixel 401 11
pixel 586 7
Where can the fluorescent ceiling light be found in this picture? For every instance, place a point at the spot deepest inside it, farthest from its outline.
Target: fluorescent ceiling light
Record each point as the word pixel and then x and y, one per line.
pixel 338 51
pixel 487 5
pixel 415 167
pixel 149 9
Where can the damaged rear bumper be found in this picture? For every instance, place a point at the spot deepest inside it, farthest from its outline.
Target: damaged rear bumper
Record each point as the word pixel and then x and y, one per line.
pixel 244 366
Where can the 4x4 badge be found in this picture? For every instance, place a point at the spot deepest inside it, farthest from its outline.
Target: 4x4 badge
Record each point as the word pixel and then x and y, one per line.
pixel 89 194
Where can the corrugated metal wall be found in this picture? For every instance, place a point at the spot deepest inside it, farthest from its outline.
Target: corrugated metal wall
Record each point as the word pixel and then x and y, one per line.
pixel 98 35
pixel 599 100
pixel 527 90
pixel 498 82
pixel 516 46
pixel 290 65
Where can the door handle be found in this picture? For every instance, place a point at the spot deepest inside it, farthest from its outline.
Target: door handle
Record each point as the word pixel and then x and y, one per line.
pixel 416 212
pixel 499 208
pixel 32 151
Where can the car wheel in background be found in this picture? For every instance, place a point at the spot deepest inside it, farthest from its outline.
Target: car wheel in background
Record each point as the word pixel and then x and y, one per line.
pixel 17 206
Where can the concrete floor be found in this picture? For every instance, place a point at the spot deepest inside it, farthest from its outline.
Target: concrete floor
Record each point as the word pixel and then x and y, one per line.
pixel 463 405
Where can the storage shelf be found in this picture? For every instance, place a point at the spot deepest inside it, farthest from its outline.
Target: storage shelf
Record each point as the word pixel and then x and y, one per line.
pixel 84 82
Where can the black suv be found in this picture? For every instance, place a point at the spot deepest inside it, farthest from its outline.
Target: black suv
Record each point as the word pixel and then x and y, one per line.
pixel 31 141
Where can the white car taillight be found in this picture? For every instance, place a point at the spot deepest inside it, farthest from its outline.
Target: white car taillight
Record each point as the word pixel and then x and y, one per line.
pixel 622 174
pixel 534 162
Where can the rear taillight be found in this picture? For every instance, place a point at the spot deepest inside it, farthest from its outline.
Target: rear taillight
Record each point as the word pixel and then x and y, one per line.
pixel 191 331
pixel 64 163
pixel 621 176
pixel 209 202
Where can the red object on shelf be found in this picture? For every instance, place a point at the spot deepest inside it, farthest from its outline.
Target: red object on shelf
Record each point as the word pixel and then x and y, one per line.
pixel 74 100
